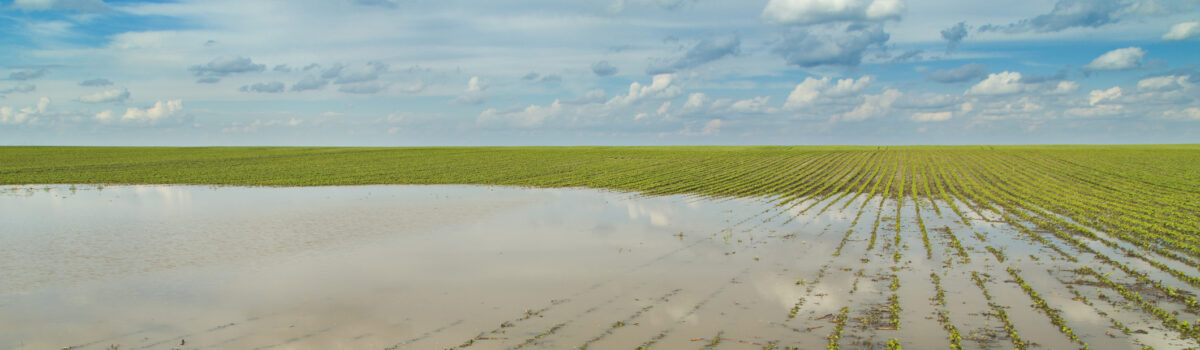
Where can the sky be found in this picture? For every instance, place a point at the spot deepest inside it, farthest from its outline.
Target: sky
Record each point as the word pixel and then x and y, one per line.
pixel 598 72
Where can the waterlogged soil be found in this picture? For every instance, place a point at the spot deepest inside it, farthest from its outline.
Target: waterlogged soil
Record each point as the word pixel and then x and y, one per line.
pixel 435 267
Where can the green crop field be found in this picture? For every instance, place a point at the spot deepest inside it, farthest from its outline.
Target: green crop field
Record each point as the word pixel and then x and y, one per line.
pixel 1120 223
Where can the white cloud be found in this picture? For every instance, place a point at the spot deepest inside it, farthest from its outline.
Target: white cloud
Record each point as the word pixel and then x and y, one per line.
pixel 1098 96
pixel 114 95
pixel 1183 31
pixel 932 116
pixel 635 104
pixel 809 91
pixel 1192 113
pixel 160 111
pixel 1003 83
pixel 660 88
pixel 1164 83
pixel 824 11
pixel 872 106
pixel 696 102
pixel 1065 87
pixel 752 105
pixel 474 94
pixel 1022 107
pixel 662 110
pixel 850 86
pixel 1096 111
pixel 30 115
pixel 531 116
pixel 805 93
pixel 712 127
pixel 1119 59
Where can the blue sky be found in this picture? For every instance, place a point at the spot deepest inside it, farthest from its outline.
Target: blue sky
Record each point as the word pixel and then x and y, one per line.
pixel 602 72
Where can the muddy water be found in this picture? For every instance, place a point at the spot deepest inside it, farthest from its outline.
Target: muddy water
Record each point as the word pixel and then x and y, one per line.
pixel 432 267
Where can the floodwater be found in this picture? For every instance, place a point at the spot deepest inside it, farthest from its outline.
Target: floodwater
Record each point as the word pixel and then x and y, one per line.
pixel 434 267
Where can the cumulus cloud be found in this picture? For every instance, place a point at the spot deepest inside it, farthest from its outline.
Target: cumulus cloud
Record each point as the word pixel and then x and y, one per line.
pixel 1183 31
pixel 1003 83
pixel 695 102
pixel 954 35
pixel 1099 96
pixel 603 69
pixel 26 115
pixel 309 83
pixel 271 87
pixel 804 12
pixel 707 50
pixel 531 116
pixel 712 127
pixel 1119 59
pixel 872 106
pixel 160 111
pixel 964 73
pixel 927 101
pixel 660 87
pixel 1192 113
pixel 830 44
pixel 809 91
pixel 1164 83
pixel 931 116
pixel 67 5
pixel 638 105
pixel 96 82
pixel 224 66
pixel 474 94
pixel 27 74
pixel 805 93
pixel 113 95
pixel 752 105
pixel 1064 87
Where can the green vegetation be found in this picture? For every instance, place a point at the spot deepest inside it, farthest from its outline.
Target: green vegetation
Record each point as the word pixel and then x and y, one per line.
pixel 1144 195
pixel 1112 220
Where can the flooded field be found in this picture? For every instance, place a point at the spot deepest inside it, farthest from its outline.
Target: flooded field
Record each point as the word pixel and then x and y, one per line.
pixel 435 267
